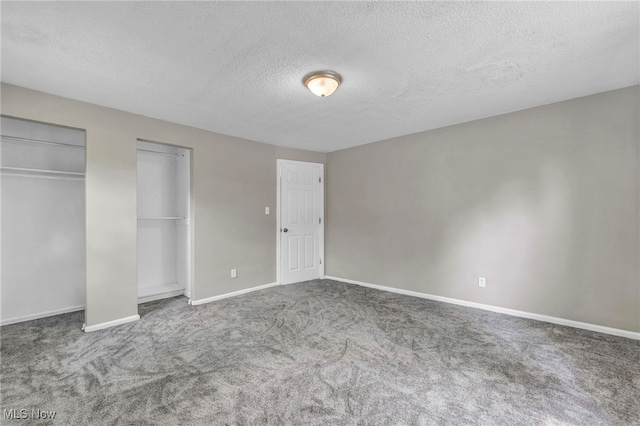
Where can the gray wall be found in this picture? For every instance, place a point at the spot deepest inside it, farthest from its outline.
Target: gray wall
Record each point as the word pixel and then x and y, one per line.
pixel 543 202
pixel 234 180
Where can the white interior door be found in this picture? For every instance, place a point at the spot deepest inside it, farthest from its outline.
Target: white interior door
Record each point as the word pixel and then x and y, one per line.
pixel 301 224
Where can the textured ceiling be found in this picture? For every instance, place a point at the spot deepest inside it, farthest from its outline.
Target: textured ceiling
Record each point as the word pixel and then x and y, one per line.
pixel 236 68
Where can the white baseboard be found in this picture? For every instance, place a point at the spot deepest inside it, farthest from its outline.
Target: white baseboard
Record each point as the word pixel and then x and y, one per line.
pixel 41 315
pixel 512 312
pixel 108 324
pixel 232 294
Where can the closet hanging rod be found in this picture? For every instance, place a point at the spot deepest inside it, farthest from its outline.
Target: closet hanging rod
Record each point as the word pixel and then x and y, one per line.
pixel 70 145
pixel 161 153
pixel 25 169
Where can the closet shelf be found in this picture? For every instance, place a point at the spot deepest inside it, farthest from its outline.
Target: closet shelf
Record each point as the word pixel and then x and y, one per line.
pixel 161 153
pixel 43 142
pixel 162 218
pixel 44 171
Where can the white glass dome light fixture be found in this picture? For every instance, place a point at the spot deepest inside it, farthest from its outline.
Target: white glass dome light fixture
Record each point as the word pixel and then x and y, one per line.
pixel 322 83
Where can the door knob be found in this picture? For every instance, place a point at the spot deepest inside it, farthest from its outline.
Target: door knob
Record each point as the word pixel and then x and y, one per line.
pixel 285 230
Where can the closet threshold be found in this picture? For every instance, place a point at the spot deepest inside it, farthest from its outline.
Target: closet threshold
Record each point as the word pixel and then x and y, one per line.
pixel 156 292
pixel 162 218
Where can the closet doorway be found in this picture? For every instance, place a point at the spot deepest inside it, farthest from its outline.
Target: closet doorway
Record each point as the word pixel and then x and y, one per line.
pixel 42 190
pixel 164 221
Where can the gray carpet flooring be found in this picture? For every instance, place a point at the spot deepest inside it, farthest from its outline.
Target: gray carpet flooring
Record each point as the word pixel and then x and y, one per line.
pixel 318 353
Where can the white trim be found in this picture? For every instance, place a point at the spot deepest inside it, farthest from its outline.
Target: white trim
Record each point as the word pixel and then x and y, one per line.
pixel 42 315
pixel 279 163
pixel 232 294
pixel 278 237
pixel 512 312
pixel 108 324
pixel 322 184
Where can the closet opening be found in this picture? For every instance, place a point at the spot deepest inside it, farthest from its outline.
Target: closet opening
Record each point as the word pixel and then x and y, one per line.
pixel 164 221
pixel 42 190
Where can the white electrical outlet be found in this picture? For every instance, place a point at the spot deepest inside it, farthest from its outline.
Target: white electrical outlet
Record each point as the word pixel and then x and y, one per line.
pixel 482 282
pixel 266 210
pixel 234 273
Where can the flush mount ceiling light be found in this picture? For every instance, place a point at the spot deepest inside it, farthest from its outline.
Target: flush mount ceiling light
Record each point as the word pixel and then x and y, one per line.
pixel 322 83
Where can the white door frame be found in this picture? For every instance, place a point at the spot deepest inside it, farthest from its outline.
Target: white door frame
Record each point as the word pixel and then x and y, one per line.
pixel 279 164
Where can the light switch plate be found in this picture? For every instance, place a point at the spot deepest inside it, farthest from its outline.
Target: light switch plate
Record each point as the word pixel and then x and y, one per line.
pixel 266 210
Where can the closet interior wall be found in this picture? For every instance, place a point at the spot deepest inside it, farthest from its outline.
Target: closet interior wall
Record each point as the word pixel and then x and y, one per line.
pixel 43 220
pixel 164 231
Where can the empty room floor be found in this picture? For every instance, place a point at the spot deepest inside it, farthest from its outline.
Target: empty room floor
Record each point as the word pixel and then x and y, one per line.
pixel 320 352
